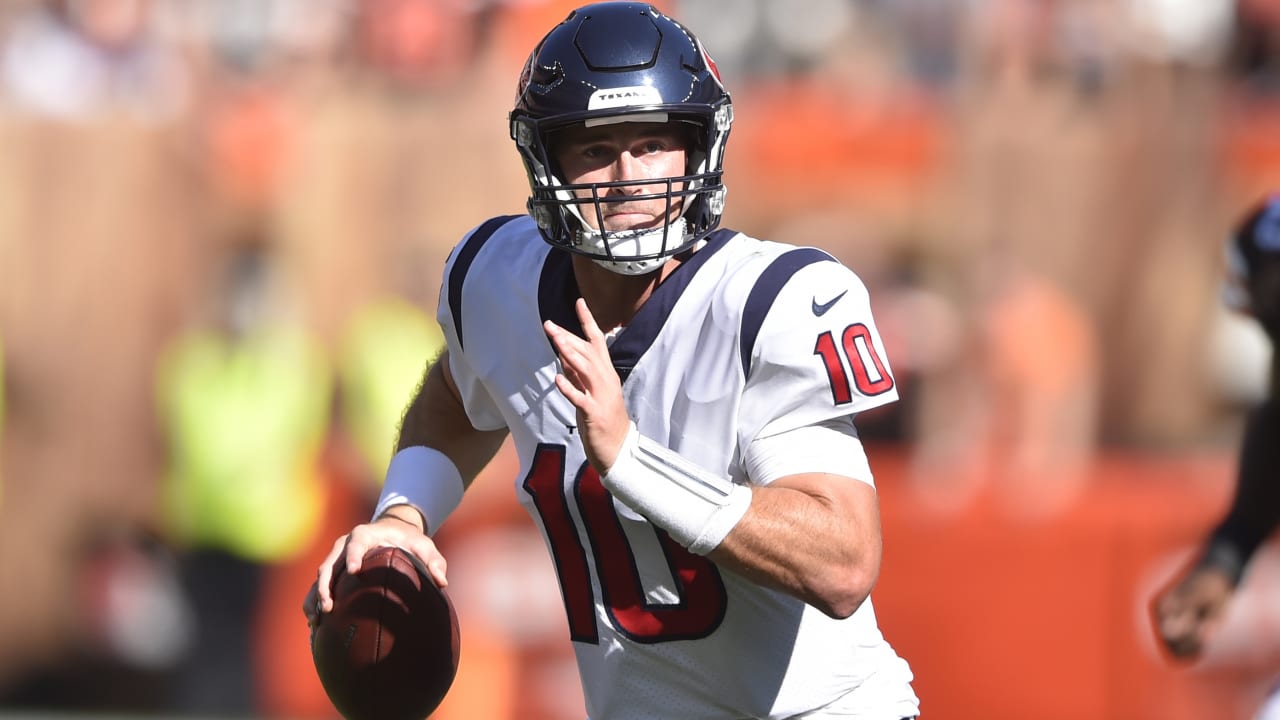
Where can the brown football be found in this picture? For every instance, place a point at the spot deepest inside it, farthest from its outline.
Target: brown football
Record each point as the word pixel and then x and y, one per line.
pixel 389 648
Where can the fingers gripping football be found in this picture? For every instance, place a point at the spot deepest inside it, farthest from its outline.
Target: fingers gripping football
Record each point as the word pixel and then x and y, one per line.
pixel 349 551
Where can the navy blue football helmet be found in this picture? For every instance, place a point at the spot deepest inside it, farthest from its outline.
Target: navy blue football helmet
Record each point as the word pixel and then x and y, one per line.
pixel 612 62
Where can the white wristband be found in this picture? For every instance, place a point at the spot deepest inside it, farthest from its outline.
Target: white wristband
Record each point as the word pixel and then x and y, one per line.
pixel 694 506
pixel 426 480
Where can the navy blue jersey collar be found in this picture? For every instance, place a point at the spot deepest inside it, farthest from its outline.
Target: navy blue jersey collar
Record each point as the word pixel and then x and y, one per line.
pixel 558 291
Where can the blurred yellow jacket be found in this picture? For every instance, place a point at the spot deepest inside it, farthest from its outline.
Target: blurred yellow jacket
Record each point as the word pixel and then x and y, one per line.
pixel 382 359
pixel 245 422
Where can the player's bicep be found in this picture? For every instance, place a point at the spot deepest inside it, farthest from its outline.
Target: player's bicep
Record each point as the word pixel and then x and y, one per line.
pixel 855 503
pixel 438 419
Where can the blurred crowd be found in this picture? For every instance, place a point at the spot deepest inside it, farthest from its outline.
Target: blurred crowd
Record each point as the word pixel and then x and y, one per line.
pixel 223 222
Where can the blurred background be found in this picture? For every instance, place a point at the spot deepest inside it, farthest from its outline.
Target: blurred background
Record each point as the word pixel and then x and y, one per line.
pixel 222 228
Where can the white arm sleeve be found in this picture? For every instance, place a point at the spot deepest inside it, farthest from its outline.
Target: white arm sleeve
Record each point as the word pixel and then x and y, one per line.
pixel 697 508
pixel 831 446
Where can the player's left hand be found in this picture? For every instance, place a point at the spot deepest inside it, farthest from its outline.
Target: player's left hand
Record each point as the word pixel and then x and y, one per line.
pixel 589 382
pixel 1187 613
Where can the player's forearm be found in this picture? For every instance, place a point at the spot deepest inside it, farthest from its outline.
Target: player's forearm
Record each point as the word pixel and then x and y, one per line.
pixel 1255 509
pixel 814 537
pixel 435 418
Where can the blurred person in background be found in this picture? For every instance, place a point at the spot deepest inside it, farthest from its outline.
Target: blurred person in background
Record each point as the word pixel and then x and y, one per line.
pixel 379 364
pixel 1188 611
pixel 245 400
pixel 78 59
pixel 683 397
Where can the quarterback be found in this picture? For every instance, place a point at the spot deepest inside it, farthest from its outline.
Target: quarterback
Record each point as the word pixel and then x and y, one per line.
pixel 682 399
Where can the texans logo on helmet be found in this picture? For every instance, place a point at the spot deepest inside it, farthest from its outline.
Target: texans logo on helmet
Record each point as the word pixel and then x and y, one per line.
pixel 711 64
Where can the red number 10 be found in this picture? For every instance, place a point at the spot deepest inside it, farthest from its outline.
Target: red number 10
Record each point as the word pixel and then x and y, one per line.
pixel 701 601
pixel 855 347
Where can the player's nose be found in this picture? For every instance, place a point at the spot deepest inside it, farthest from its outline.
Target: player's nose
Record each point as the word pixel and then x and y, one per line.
pixel 626 167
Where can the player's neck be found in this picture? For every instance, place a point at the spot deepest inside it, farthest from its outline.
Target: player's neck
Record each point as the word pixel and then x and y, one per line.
pixel 615 298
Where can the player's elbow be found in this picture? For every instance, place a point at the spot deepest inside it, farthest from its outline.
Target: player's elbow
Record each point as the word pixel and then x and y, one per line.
pixel 845 589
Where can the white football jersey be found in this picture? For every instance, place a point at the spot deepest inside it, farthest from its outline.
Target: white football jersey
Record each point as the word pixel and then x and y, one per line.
pixel 746 339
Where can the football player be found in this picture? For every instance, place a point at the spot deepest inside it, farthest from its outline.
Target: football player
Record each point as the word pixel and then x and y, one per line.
pixel 1187 611
pixel 681 398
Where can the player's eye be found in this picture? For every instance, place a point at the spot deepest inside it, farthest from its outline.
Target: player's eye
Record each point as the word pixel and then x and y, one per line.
pixel 654 145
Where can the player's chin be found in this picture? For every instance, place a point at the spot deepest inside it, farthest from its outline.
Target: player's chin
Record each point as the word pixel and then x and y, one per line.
pixel 631 222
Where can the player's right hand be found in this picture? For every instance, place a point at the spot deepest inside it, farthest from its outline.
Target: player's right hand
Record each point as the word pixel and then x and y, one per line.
pixel 589 381
pixel 1188 612
pixel 351 549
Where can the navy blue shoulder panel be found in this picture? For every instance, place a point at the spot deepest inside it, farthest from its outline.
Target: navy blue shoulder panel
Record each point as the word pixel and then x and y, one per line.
pixel 467 255
pixel 766 290
pixel 558 291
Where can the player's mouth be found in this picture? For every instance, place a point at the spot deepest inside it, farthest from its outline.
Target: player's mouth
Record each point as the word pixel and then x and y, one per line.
pixel 629 220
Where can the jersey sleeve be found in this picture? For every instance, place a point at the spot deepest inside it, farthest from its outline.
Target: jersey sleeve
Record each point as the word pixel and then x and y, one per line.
pixel 483 412
pixel 831 446
pixel 817 355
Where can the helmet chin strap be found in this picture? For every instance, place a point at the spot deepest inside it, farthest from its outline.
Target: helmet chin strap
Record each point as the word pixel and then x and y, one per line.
pixel 648 237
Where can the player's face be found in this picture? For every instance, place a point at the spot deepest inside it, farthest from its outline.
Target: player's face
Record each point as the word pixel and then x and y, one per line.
pixel 625 151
